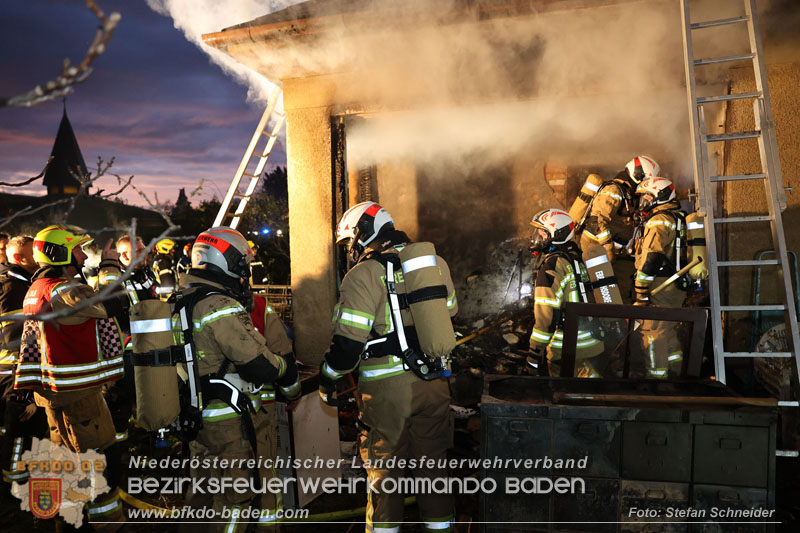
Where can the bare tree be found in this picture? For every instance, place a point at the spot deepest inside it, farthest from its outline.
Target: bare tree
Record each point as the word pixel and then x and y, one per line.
pixel 70 75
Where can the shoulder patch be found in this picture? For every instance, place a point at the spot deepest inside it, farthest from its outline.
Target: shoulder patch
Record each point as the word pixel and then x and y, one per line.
pixel 246 320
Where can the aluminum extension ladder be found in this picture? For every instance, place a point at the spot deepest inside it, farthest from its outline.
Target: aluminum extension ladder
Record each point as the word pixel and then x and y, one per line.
pixel 225 216
pixel 770 175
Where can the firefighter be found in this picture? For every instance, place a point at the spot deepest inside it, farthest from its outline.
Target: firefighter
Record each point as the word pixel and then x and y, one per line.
pixel 141 285
pixel 22 418
pixel 268 323
pixel 185 262
pixel 610 220
pixel 86 336
pixel 164 268
pixel 401 414
pixel 657 258
pixel 4 237
pixel 232 350
pixel 561 278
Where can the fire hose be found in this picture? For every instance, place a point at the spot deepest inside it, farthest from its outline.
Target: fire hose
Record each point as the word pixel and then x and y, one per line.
pixel 481 331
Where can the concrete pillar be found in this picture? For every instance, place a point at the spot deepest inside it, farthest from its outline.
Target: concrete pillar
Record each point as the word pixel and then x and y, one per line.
pixel 308 135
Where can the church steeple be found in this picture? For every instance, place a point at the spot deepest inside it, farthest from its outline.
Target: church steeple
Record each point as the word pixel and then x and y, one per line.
pixel 66 156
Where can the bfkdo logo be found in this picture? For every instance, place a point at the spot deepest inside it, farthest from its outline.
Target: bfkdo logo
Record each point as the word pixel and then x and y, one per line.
pixel 45 497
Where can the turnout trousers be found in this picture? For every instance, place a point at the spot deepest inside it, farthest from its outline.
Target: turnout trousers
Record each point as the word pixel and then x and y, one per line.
pixel 408 418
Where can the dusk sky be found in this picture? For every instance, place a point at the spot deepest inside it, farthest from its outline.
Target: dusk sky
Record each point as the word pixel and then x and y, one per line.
pixel 154 102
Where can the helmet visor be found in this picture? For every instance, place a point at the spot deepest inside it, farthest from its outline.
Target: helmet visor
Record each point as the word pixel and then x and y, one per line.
pixel 540 240
pixel 646 202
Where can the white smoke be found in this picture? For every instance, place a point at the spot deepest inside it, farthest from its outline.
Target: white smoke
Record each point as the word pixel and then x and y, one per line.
pixel 579 86
pixel 196 17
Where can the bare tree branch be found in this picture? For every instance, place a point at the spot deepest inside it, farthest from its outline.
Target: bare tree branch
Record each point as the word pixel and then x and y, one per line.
pixel 85 183
pixel 29 180
pixel 70 75
pixel 114 289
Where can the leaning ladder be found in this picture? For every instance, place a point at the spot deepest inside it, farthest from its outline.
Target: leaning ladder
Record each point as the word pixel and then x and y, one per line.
pixel 226 216
pixel 770 176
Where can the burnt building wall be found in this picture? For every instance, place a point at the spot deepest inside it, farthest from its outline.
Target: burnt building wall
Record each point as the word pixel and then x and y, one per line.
pixel 745 241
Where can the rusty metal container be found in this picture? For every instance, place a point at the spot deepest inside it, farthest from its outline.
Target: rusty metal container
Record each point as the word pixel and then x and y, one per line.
pixel 642 450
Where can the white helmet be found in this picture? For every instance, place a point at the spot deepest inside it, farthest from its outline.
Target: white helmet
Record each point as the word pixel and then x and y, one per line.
pixel 222 250
pixel 558 225
pixel 362 223
pixel 642 167
pixel 661 189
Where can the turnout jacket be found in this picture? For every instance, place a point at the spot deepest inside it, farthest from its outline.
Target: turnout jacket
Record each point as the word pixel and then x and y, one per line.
pixel 223 331
pixel 14 283
pixel 655 250
pixel 610 215
pixel 556 284
pixel 363 314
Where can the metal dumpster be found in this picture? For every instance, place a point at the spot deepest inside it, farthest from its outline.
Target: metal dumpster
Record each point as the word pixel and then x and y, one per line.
pixel 657 456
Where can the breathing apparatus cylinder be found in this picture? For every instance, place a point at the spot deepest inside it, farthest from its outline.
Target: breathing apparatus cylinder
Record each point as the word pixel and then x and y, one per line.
pixel 605 287
pixel 155 373
pixel 696 244
pixel 427 299
pixel 580 207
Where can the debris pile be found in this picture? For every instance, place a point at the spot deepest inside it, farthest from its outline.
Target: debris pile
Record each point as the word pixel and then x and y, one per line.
pixel 494 344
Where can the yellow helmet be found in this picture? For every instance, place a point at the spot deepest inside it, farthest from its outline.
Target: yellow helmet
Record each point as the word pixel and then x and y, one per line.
pixel 165 246
pixel 54 244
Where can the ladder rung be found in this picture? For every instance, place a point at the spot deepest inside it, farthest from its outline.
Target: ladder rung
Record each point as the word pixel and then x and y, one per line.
pixel 738 177
pixel 260 156
pixel 239 195
pixel 752 262
pixel 718 137
pixel 720 22
pixel 731 220
pixel 758 354
pixel 268 133
pixel 711 60
pixel 727 97
pixel 250 175
pixel 752 308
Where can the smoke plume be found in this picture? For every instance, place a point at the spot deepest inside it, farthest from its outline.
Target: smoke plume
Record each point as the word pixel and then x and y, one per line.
pixel 196 17
pixel 579 86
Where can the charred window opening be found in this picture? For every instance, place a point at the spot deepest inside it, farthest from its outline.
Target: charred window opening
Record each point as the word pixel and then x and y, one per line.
pixel 340 189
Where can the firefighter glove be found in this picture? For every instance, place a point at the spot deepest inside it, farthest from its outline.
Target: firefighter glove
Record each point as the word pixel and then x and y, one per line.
pixel 289 383
pixel 610 250
pixel 642 296
pixel 327 387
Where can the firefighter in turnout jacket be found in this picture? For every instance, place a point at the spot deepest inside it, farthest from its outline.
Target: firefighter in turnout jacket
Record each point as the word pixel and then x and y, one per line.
pixel 230 348
pixel 609 222
pixel 141 285
pixel 403 413
pixel 22 419
pixel 658 256
pixel 561 278
pixel 164 268
pixel 87 338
